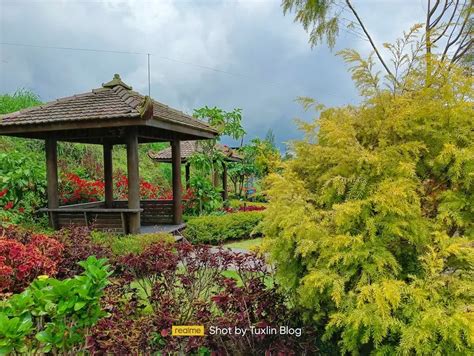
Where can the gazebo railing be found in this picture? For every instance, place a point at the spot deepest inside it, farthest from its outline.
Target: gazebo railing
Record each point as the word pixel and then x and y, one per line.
pixel 115 218
pixel 155 212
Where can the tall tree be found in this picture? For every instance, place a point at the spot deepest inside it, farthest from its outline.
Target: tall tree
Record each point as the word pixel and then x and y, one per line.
pixel 448 29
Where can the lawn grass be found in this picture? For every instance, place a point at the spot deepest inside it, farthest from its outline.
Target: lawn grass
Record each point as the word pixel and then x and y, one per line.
pixel 249 244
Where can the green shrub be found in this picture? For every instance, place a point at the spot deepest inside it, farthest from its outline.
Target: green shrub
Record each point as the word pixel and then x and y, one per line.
pixel 123 245
pixel 52 315
pixel 205 197
pixel 21 99
pixel 371 228
pixel 217 229
pixel 22 186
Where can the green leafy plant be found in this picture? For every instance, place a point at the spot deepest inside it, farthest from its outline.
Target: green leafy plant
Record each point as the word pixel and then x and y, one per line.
pixel 53 315
pixel 22 186
pixel 209 160
pixel 217 229
pixel 227 123
pixel 205 198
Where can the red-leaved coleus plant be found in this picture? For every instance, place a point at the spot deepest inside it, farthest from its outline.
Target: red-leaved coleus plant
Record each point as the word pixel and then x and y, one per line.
pixel 23 257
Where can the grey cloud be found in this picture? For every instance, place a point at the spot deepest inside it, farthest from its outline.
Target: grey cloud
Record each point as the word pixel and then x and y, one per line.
pixel 251 38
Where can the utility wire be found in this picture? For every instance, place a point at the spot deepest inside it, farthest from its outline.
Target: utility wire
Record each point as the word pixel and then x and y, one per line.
pixel 136 53
pixel 148 61
pixel 67 48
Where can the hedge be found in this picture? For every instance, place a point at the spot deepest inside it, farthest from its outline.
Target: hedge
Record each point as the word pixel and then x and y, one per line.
pixel 216 229
pixel 122 245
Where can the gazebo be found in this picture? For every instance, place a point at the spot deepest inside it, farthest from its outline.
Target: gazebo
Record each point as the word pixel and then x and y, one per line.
pixel 188 148
pixel 108 116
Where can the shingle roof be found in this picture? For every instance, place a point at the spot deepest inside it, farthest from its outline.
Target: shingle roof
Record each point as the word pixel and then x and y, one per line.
pixel 114 100
pixel 188 148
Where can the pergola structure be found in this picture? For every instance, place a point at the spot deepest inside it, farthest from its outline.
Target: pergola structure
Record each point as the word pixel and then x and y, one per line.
pixel 110 115
pixel 188 148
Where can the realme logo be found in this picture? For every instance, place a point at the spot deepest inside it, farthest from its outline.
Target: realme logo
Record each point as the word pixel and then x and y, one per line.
pixel 187 330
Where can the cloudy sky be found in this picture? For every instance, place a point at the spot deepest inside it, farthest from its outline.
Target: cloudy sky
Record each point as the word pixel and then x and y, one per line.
pixel 261 58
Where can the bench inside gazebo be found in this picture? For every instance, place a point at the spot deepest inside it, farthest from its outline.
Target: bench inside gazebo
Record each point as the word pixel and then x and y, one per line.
pixel 108 116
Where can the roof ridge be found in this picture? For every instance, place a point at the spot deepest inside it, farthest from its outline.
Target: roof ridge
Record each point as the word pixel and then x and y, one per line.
pixel 128 97
pixel 182 112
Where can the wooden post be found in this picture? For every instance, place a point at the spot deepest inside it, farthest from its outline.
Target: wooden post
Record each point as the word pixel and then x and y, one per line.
pixel 215 176
pixel 187 174
pixel 225 194
pixel 108 176
pixel 177 194
pixel 52 178
pixel 133 180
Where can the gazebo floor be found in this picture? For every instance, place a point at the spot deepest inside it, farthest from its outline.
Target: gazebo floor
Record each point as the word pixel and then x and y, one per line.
pixel 169 229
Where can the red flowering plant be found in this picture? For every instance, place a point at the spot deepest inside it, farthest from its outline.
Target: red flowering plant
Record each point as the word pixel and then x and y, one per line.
pixel 25 256
pixel 121 186
pixel 147 190
pixel 74 189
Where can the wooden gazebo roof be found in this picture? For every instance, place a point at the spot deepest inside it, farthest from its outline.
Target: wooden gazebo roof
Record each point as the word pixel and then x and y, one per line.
pixel 188 148
pixel 103 115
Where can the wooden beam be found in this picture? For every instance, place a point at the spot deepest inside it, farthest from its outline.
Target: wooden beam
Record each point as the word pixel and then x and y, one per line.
pixel 133 180
pixel 225 194
pixel 108 176
pixel 187 174
pixel 189 132
pixel 177 193
pixel 52 178
pixel 53 128
pixel 158 128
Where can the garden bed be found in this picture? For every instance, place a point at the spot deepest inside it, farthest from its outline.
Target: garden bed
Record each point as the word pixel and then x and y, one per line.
pixel 127 300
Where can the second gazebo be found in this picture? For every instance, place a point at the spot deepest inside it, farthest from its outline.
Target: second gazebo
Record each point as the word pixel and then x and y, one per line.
pixel 188 148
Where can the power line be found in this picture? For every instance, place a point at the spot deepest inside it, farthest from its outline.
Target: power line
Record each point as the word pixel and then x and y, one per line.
pixel 148 61
pixel 137 53
pixel 67 48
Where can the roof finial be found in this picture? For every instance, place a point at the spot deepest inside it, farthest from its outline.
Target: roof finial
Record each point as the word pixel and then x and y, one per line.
pixel 116 81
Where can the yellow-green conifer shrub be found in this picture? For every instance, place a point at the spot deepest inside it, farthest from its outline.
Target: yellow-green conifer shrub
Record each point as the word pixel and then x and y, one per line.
pixel 371 225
